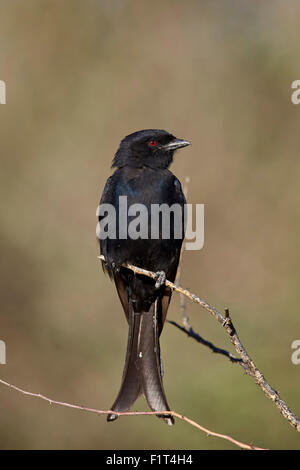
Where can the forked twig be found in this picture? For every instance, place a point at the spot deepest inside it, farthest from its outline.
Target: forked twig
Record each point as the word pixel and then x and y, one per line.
pixel 245 361
pixel 226 322
pixel 191 333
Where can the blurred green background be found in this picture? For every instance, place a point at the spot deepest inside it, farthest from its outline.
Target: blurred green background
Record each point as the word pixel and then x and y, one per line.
pixel 80 76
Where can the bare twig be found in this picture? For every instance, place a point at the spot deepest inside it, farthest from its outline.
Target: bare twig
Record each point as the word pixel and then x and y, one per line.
pixel 134 413
pixel 190 332
pixel 187 327
pixel 185 318
pixel 227 324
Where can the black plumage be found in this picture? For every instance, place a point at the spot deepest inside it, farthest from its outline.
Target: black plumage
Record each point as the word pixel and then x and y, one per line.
pixel 142 175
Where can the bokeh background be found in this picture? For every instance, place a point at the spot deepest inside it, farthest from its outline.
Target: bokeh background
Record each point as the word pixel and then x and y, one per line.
pixel 80 76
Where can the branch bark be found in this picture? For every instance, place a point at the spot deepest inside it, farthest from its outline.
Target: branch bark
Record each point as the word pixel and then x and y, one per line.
pixel 134 413
pixel 226 322
pixel 245 361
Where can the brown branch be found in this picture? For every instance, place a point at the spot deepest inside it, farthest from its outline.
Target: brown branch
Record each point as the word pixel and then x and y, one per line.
pixel 227 324
pixel 187 328
pixel 185 318
pixel 135 413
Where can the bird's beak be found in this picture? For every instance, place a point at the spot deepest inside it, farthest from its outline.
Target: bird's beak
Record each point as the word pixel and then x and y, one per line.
pixel 176 144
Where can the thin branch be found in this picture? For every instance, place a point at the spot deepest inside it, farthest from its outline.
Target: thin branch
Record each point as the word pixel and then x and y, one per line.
pixel 227 324
pixel 185 318
pixel 134 413
pixel 187 327
pixel 190 332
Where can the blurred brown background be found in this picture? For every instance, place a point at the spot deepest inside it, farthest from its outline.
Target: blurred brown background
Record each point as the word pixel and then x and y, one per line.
pixel 80 76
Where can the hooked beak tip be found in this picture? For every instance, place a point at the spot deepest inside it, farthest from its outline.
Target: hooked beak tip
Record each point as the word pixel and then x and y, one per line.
pixel 177 144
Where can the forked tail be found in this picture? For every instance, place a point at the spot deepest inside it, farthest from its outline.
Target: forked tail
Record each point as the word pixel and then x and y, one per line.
pixel 142 370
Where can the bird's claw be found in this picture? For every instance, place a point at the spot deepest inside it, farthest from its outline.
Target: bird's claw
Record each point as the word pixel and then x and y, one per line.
pixel 160 277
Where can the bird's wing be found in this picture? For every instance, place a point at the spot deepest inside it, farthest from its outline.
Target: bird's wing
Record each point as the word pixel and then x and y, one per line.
pixel 105 198
pixel 122 293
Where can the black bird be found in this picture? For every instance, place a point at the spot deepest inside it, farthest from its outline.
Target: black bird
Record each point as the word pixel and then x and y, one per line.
pixel 142 175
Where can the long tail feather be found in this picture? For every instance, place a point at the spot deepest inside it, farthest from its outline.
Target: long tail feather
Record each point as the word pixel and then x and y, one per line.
pixel 150 364
pixel 142 370
pixel 130 386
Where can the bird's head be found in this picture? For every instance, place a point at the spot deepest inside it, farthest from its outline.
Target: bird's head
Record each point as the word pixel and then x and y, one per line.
pixel 151 147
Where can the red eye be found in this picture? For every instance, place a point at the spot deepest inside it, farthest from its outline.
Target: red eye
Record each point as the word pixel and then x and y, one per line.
pixel 152 143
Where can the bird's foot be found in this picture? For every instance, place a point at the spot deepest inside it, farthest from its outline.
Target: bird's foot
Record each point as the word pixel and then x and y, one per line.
pixel 111 417
pixel 160 277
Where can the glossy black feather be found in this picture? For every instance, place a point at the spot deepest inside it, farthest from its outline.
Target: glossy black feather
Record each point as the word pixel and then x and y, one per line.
pixel 142 175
